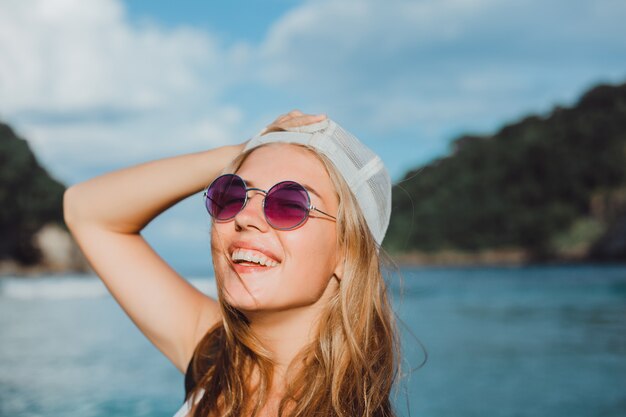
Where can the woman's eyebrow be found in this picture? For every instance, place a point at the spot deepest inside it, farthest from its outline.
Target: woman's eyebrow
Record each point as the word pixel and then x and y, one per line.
pixel 312 190
pixel 307 187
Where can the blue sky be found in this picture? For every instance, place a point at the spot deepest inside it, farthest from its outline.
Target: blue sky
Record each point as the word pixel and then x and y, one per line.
pixel 104 84
pixel 232 21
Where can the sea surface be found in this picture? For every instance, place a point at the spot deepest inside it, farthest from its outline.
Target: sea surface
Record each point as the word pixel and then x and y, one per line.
pixel 499 342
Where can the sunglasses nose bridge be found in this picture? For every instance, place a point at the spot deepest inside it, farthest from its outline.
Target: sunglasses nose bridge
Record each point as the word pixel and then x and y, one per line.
pixel 249 197
pixel 258 191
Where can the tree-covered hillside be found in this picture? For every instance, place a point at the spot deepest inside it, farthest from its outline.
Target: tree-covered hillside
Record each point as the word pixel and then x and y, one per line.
pixel 550 185
pixel 547 185
pixel 29 199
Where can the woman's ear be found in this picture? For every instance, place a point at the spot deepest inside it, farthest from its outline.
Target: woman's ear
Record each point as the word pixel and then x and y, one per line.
pixel 338 272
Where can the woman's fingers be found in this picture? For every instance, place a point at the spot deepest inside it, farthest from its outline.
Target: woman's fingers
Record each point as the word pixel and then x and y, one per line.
pixel 303 120
pixel 284 117
pixel 294 118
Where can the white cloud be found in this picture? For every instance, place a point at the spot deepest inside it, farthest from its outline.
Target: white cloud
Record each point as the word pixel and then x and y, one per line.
pixel 77 151
pixel 443 63
pixel 77 77
pixel 73 57
pixel 90 90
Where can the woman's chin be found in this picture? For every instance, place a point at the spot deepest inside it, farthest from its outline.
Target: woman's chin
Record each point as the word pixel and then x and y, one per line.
pixel 245 299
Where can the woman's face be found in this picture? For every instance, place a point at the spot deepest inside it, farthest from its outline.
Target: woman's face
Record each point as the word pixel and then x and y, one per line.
pixel 302 261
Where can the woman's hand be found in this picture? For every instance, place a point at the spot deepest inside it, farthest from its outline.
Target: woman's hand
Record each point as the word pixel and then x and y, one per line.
pixel 294 118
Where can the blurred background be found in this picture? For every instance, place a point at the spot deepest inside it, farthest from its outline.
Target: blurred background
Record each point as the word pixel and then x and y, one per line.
pixel 503 127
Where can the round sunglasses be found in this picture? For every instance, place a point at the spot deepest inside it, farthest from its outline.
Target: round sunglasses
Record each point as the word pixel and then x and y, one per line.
pixel 286 205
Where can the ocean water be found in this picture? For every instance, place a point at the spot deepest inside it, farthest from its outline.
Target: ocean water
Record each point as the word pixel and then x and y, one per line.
pixel 500 342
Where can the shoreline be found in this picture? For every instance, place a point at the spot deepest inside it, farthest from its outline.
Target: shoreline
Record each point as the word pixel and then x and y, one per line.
pixel 10 268
pixel 491 258
pixel 443 259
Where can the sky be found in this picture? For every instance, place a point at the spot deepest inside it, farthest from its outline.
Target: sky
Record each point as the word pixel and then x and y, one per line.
pixel 99 85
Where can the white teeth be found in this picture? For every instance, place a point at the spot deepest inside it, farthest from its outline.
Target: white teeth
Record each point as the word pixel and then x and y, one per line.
pixel 252 256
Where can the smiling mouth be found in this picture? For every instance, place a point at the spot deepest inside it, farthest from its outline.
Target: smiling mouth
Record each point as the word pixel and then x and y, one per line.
pixel 251 268
pixel 246 263
pixel 252 259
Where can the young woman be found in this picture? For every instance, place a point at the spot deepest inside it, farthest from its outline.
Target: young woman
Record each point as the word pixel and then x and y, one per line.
pixel 302 325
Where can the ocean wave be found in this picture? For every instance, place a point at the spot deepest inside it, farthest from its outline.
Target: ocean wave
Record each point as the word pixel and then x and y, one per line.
pixel 78 287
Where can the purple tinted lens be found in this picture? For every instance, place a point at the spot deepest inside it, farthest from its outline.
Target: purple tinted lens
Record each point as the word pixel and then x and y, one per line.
pixel 226 197
pixel 286 205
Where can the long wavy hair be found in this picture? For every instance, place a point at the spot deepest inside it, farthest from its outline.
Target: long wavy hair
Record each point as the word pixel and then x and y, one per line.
pixel 350 367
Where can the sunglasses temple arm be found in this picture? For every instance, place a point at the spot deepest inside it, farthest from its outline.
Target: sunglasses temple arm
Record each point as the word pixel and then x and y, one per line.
pixel 316 209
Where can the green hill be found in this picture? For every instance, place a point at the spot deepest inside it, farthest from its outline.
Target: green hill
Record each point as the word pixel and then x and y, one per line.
pixel 552 186
pixel 29 199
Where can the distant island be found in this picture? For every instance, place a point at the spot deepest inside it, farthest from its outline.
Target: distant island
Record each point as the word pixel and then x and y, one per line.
pixel 545 189
pixel 33 237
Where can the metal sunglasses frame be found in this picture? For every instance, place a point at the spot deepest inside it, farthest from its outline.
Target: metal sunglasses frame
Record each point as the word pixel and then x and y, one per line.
pixel 310 208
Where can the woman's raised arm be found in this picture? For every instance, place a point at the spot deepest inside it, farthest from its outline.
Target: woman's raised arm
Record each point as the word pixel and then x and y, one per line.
pixel 105 215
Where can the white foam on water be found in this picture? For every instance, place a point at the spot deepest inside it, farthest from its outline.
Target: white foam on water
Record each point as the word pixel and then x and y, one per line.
pixel 77 287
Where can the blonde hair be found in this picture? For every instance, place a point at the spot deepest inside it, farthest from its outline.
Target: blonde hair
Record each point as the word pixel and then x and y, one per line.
pixel 348 370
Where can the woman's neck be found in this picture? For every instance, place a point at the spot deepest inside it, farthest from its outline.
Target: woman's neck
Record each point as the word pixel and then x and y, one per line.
pixel 285 333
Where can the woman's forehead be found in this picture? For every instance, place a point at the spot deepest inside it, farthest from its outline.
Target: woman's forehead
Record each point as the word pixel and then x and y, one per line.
pixel 270 164
pixel 275 160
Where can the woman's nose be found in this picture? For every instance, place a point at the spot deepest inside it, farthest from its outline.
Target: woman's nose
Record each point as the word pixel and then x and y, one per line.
pixel 252 214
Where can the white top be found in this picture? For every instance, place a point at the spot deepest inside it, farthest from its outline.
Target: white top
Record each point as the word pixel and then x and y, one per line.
pixel 182 412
